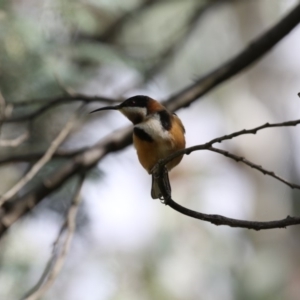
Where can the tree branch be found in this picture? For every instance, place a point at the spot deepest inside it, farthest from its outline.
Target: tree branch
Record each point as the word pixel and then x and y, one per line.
pixel 254 166
pixel 31 156
pixel 56 262
pixel 50 103
pixel 218 219
pixel 221 220
pixel 15 142
pixel 41 162
pixel 254 130
pixel 253 52
pixel 14 209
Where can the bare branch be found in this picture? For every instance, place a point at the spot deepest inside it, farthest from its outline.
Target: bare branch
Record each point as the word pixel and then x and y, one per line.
pixel 14 209
pixel 221 220
pixel 218 219
pixel 67 99
pixel 31 156
pixel 58 258
pixel 253 52
pixel 15 142
pixel 165 57
pixel 207 146
pixel 41 162
pixel 254 130
pixel 50 103
pixel 254 166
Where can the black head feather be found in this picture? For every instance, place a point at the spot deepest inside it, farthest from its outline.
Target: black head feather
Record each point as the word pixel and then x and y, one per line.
pixel 136 101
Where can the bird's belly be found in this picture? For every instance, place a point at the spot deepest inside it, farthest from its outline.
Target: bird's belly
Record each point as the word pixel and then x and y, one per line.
pixel 149 153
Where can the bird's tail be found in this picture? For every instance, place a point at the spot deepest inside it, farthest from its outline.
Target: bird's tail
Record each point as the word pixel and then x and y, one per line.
pixel 155 189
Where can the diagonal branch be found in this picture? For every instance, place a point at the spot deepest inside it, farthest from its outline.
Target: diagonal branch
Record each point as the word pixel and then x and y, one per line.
pixel 69 98
pixel 164 58
pixel 16 141
pixel 58 258
pixel 31 156
pixel 41 162
pixel 50 103
pixel 254 166
pixel 14 209
pixel 249 55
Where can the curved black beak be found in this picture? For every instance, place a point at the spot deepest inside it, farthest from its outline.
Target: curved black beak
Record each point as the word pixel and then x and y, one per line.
pixel 116 107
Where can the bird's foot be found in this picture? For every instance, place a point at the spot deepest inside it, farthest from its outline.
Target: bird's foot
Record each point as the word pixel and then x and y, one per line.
pixel 165 180
pixel 155 169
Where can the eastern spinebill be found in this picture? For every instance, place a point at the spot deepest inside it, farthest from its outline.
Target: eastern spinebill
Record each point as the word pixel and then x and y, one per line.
pixel 157 133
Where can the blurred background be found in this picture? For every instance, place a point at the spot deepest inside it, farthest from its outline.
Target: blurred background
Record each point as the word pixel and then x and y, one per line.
pixel 126 245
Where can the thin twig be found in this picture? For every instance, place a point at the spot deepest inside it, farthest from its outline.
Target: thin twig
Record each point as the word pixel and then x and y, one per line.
pixel 207 145
pixel 165 56
pixel 68 98
pixel 31 156
pixel 58 258
pixel 15 142
pixel 254 130
pixel 254 166
pixel 50 103
pixel 41 162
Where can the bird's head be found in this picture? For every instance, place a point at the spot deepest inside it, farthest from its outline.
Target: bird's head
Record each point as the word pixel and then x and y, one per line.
pixel 136 108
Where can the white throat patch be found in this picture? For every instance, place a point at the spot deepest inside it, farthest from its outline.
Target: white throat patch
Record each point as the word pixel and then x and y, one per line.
pixel 152 125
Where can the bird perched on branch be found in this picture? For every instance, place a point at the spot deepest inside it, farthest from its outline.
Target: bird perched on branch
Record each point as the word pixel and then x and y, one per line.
pixel 157 133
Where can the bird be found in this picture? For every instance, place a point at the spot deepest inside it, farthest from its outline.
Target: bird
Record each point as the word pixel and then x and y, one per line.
pixel 157 133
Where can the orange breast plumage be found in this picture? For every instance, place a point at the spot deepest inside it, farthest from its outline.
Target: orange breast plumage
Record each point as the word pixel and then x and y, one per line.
pixel 153 142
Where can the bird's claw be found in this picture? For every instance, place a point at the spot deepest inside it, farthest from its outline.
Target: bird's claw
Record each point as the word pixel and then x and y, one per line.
pixel 156 174
pixel 155 169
